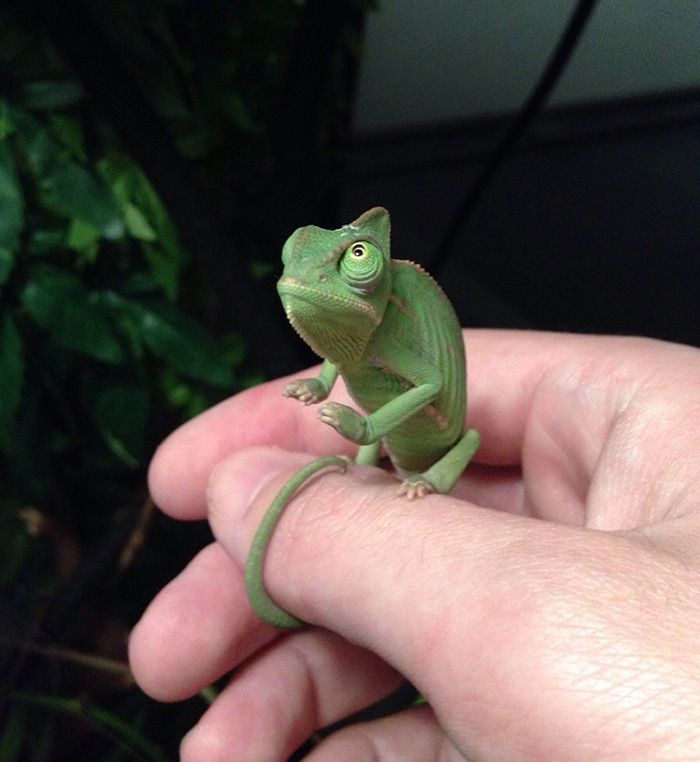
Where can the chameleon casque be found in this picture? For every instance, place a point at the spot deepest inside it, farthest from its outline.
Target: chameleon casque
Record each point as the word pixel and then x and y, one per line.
pixel 388 329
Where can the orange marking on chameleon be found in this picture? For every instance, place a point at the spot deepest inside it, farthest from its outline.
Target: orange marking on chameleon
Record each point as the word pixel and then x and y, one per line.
pixel 402 306
pixel 440 418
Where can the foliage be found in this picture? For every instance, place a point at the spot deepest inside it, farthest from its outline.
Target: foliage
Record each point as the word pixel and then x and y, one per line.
pixel 139 146
pixel 91 268
pixel 98 360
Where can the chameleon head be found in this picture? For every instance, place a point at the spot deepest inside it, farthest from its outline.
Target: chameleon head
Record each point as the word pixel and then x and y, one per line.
pixel 336 284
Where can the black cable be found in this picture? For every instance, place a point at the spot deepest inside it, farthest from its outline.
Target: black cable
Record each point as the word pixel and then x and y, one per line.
pixel 540 93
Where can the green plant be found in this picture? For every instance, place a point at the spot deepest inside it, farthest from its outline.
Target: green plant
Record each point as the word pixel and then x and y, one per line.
pixel 146 182
pixel 98 360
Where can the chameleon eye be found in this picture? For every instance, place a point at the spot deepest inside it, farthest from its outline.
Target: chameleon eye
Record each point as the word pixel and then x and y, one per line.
pixel 362 266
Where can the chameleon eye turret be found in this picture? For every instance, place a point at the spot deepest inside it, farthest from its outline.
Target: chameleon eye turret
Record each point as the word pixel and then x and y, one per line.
pixel 362 267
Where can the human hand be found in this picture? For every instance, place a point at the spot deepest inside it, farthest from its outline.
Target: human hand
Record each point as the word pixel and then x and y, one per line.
pixel 548 608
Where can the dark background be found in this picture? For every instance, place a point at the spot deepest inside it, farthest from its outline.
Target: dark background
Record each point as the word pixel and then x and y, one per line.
pixel 541 160
pixel 591 224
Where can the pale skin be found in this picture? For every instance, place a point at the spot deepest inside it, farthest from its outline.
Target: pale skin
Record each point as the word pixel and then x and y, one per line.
pixel 548 608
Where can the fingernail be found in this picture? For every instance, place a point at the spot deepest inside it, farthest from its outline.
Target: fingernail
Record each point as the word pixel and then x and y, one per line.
pixel 239 478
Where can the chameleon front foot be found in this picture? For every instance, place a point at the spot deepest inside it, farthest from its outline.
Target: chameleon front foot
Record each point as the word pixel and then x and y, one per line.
pixel 307 390
pixel 346 421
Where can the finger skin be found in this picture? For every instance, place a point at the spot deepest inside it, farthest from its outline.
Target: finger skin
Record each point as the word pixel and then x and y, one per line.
pixel 412 735
pixel 280 698
pixel 529 637
pixel 507 371
pixel 504 368
pixel 479 609
pixel 204 611
pixel 182 465
pixel 200 627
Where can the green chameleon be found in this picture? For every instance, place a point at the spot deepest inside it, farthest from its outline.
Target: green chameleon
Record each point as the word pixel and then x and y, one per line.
pixel 388 329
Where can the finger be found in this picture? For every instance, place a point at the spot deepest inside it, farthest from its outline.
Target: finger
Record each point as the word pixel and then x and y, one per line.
pixel 410 735
pixel 244 485
pixel 181 466
pixel 353 519
pixel 498 487
pixel 558 392
pixel 203 611
pixel 481 610
pixel 278 699
pixel 504 369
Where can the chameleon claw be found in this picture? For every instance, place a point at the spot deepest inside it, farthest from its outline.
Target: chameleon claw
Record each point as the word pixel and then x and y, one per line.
pixel 414 489
pixel 301 390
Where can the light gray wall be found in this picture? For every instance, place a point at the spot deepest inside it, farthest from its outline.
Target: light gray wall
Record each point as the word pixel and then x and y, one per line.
pixel 457 59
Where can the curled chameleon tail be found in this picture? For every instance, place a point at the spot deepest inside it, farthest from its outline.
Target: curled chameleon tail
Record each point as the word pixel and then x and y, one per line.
pixel 261 602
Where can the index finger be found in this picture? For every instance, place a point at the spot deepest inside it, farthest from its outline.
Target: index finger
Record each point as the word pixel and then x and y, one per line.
pixel 504 370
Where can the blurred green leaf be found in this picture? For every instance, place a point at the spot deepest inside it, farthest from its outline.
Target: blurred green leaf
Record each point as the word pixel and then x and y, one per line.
pixel 178 340
pixel 50 94
pixel 164 268
pixel 146 219
pixel 7 261
pixel 11 204
pixel 6 126
pixel 60 303
pixel 70 132
pixel 181 394
pixel 11 367
pixel 65 187
pixel 46 240
pixel 140 283
pixel 137 224
pixel 233 348
pixel 82 236
pixel 120 412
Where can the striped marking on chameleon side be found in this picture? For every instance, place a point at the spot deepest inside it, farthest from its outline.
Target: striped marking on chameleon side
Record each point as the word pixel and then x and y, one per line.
pixel 403 307
pixel 441 420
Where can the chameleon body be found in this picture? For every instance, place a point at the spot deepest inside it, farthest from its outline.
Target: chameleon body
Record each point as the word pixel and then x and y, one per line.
pixel 389 330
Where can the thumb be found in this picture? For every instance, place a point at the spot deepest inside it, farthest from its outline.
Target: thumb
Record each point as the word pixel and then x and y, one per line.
pixel 497 619
pixel 352 555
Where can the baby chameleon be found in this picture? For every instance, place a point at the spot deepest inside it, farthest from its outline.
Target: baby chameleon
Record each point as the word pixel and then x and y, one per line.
pixel 388 329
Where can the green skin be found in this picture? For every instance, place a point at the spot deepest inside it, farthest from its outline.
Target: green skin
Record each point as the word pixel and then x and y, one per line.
pixel 388 329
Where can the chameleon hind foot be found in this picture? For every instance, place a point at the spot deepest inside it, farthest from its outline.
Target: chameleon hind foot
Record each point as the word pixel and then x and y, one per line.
pixel 442 476
pixel 413 488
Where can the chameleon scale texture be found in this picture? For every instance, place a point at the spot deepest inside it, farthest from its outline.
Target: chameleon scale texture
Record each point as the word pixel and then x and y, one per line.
pixel 388 329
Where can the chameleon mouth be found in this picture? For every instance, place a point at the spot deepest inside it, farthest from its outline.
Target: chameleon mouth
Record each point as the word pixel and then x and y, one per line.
pixel 335 326
pixel 291 289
